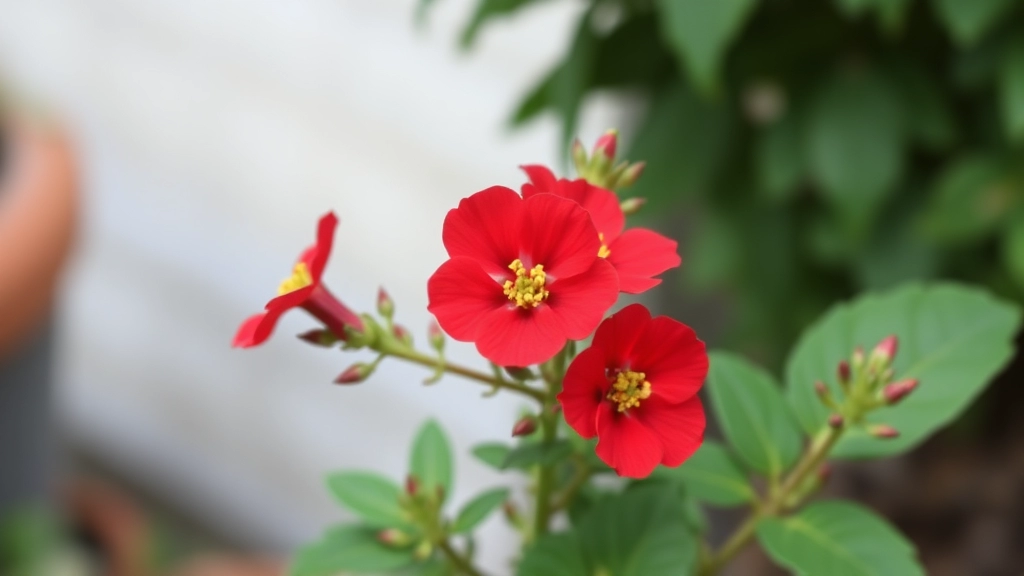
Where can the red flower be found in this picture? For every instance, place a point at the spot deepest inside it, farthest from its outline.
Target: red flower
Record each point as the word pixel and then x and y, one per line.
pixel 637 254
pixel 303 289
pixel 635 388
pixel 524 276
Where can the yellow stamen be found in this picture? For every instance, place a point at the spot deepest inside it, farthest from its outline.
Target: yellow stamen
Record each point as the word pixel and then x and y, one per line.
pixel 299 279
pixel 629 389
pixel 528 288
pixel 603 251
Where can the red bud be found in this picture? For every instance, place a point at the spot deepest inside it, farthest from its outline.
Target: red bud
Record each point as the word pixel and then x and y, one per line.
pixel 858 358
pixel 402 334
pixel 393 537
pixel 385 305
pixel 354 374
pixel 844 372
pixel 883 431
pixel 435 335
pixel 897 391
pixel 525 426
pixel 630 175
pixel 324 338
pixel 824 472
pixel 886 349
pixel 835 421
pixel 607 143
pixel 820 388
pixel 412 485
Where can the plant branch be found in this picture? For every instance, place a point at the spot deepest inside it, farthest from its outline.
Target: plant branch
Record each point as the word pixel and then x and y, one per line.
pixel 475 375
pixel 461 563
pixel 583 473
pixel 546 478
pixel 778 501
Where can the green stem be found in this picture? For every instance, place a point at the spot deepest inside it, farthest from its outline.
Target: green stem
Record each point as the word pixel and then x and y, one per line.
pixel 546 478
pixel 812 458
pixel 461 563
pixel 482 377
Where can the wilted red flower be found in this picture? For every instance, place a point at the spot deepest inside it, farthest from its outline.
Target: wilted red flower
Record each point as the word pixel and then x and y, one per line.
pixel 524 276
pixel 637 254
pixel 303 289
pixel 635 388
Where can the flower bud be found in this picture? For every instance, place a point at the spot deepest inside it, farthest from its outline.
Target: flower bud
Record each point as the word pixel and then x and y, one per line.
pixel 824 472
pixel 423 550
pixel 857 360
pixel 318 337
pixel 354 374
pixel 885 351
pixel 412 485
pixel 835 421
pixel 579 156
pixel 897 391
pixel 402 334
pixel 844 373
pixel 607 144
pixel 385 305
pixel 435 336
pixel 629 176
pixel 511 512
pixel 883 431
pixel 520 374
pixel 525 426
pixel 394 537
pixel 632 205
pixel 820 389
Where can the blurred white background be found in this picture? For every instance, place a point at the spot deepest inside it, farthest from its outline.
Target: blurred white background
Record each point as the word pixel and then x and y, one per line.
pixel 212 136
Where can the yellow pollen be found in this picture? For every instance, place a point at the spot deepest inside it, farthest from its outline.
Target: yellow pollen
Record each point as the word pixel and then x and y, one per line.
pixel 299 279
pixel 629 389
pixel 603 251
pixel 527 291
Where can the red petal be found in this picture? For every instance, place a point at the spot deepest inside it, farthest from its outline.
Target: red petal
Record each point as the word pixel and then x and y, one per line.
pixel 617 335
pixel 461 294
pixel 672 357
pixel 583 390
pixel 625 444
pixel 541 180
pixel 257 328
pixel 639 255
pixel 605 211
pixel 680 426
pixel 324 243
pixel 291 299
pixel 513 336
pixel 581 301
pixel 557 233
pixel 486 227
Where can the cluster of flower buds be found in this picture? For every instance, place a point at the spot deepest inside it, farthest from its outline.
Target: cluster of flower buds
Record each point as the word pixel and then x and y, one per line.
pixel 867 384
pixel 600 169
pixel 423 511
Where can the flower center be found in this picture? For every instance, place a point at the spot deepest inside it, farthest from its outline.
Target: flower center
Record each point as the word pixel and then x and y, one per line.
pixel 527 290
pixel 603 251
pixel 628 389
pixel 299 279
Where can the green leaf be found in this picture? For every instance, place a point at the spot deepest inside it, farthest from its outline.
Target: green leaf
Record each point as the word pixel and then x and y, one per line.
pixel 685 142
pixel 750 408
pixel 348 548
pixel 1013 250
pixel 969 20
pixel 478 509
pixel 487 10
pixel 952 338
pixel 711 475
pixel 855 142
pixel 371 496
pixel 1011 89
pixel 492 453
pixel 778 158
pixel 929 116
pixel 431 459
pixel 700 33
pixel 838 539
pixel 970 198
pixel 537 100
pixel 554 555
pixel 642 532
pixel 575 77
pixel 536 453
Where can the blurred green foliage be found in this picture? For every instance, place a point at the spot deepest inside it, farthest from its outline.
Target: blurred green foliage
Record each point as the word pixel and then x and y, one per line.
pixel 811 148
